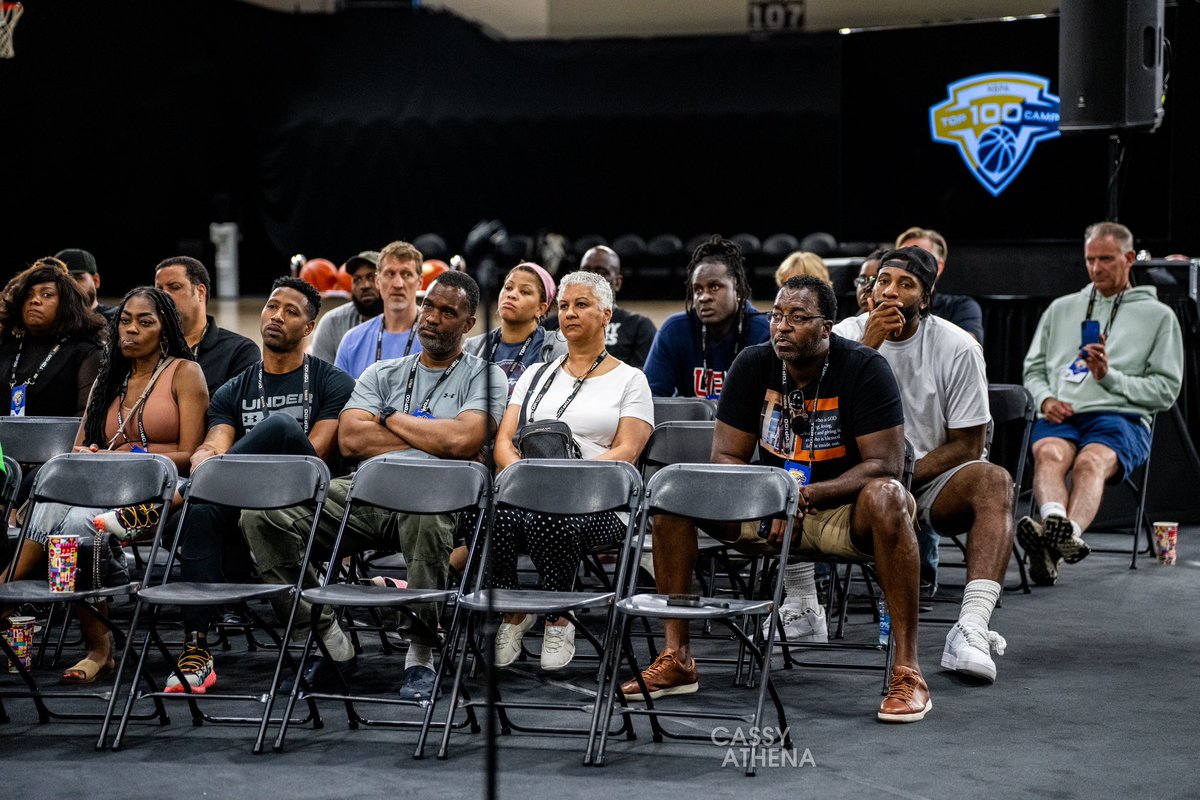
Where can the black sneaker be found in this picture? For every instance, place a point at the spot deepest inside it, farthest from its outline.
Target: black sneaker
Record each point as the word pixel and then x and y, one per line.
pixel 322 673
pixel 1060 533
pixel 1043 559
pixel 925 599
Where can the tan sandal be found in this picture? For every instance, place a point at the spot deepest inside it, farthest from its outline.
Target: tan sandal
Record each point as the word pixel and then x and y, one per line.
pixel 86 671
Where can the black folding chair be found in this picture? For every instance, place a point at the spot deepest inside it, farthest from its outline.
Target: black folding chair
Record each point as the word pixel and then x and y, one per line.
pixel 703 493
pixel 36 440
pixel 549 486
pixel 1138 484
pixel 246 482
pixel 100 480
pixel 409 486
pixel 683 409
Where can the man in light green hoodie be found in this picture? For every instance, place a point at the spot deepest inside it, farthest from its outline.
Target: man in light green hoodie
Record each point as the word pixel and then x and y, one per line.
pixel 1102 361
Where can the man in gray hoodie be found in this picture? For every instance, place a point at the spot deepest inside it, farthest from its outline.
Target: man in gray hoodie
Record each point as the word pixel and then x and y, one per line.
pixel 1102 361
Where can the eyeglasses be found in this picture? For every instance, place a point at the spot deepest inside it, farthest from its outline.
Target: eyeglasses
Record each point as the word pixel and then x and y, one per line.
pixel 863 281
pixel 795 319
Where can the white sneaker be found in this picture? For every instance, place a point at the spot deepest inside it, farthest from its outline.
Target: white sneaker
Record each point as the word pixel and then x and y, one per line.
pixel 558 646
pixel 969 650
pixel 801 624
pixel 508 640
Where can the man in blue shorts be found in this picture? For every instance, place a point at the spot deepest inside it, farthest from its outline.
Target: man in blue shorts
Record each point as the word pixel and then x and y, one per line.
pixel 1102 361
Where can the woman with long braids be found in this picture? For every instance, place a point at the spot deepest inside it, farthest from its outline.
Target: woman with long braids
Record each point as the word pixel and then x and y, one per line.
pixel 694 348
pixel 150 396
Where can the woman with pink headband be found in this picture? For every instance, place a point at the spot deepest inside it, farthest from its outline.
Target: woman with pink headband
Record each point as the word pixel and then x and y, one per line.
pixel 520 341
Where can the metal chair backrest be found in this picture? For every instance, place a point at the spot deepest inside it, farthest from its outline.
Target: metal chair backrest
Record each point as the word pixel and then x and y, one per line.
pixel 421 485
pixel 910 464
pixel 676 409
pixel 36 440
pixel 259 481
pixel 1011 407
pixel 678 442
pixel 105 480
pixel 568 486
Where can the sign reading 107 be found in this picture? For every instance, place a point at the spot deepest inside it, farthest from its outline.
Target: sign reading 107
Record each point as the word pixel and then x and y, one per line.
pixel 776 15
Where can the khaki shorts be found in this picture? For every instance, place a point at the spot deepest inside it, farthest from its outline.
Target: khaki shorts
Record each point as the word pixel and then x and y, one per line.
pixel 824 532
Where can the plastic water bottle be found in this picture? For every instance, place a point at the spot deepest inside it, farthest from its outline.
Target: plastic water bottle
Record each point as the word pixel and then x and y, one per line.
pixel 885 623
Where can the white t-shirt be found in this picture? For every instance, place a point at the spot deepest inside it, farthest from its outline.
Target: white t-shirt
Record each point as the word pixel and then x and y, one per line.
pixel 598 408
pixel 942 378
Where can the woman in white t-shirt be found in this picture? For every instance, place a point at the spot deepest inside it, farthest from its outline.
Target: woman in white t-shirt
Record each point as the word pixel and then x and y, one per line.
pixel 608 406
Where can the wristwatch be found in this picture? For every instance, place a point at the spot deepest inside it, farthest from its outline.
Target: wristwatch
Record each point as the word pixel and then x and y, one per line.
pixel 384 414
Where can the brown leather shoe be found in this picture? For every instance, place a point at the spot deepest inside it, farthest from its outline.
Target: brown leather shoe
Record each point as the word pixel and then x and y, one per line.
pixel 666 676
pixel 907 697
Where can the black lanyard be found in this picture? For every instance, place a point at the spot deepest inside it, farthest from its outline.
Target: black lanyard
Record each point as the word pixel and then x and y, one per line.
pixel 520 353
pixel 306 402
pixel 423 409
pixel 578 385
pixel 139 406
pixel 705 372
pixel 196 350
pixel 785 413
pixel 1112 315
pixel 407 345
pixel 12 377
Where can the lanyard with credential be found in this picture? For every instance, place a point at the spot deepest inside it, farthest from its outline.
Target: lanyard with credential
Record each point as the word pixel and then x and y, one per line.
pixel 423 409
pixel 578 385
pixel 306 402
pixel 407 345
pixel 1112 315
pixel 516 360
pixel 12 376
pixel 139 407
pixel 785 414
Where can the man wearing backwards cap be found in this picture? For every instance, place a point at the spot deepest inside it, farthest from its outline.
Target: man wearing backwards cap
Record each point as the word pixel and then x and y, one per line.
pixel 365 303
pixel 943 384
pixel 82 266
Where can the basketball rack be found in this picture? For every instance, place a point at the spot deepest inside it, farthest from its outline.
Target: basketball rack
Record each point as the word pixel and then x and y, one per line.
pixel 10 13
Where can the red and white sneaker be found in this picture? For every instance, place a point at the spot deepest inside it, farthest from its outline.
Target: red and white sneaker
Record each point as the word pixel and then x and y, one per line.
pixel 196 664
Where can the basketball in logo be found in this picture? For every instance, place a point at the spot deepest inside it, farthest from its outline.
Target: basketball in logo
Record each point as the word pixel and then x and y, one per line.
pixel 997 149
pixel 995 120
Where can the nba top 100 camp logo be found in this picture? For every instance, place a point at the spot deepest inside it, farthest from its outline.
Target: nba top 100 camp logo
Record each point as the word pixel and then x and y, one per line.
pixel 996 119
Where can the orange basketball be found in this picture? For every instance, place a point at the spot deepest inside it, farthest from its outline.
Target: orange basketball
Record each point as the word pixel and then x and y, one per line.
pixel 345 281
pixel 320 272
pixel 430 271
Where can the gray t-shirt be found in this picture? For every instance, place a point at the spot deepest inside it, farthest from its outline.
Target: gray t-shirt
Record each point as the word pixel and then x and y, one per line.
pixel 331 328
pixel 385 383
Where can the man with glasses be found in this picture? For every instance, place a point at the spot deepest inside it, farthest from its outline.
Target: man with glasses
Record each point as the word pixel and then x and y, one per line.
pixel 392 334
pixel 829 411
pixel 944 386
pixel 365 304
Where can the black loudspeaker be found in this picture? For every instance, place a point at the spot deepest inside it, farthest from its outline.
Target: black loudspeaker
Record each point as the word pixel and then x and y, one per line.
pixel 1110 65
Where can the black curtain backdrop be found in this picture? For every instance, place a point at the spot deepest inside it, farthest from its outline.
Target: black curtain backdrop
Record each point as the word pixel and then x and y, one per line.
pixel 129 127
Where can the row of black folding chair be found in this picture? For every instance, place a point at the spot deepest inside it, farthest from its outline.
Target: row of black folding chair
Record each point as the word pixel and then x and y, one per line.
pixel 245 482
pixel 102 480
pixel 701 493
pixel 408 486
pixel 546 486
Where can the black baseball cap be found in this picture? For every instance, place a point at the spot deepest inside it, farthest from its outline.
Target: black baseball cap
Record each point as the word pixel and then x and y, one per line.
pixel 917 260
pixel 77 260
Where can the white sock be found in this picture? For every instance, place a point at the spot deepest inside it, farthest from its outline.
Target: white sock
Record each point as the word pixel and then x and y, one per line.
pixel 1075 527
pixel 338 643
pixel 800 584
pixel 979 598
pixel 1052 509
pixel 419 655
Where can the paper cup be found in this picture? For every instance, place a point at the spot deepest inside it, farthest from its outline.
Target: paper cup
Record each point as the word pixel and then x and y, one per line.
pixel 62 555
pixel 20 639
pixel 1166 535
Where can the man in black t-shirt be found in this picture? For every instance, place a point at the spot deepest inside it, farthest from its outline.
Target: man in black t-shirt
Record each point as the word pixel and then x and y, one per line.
pixel 286 404
pixel 829 411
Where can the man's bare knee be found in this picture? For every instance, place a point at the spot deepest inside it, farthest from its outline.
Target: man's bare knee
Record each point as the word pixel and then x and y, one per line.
pixel 883 503
pixel 1095 460
pixel 992 487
